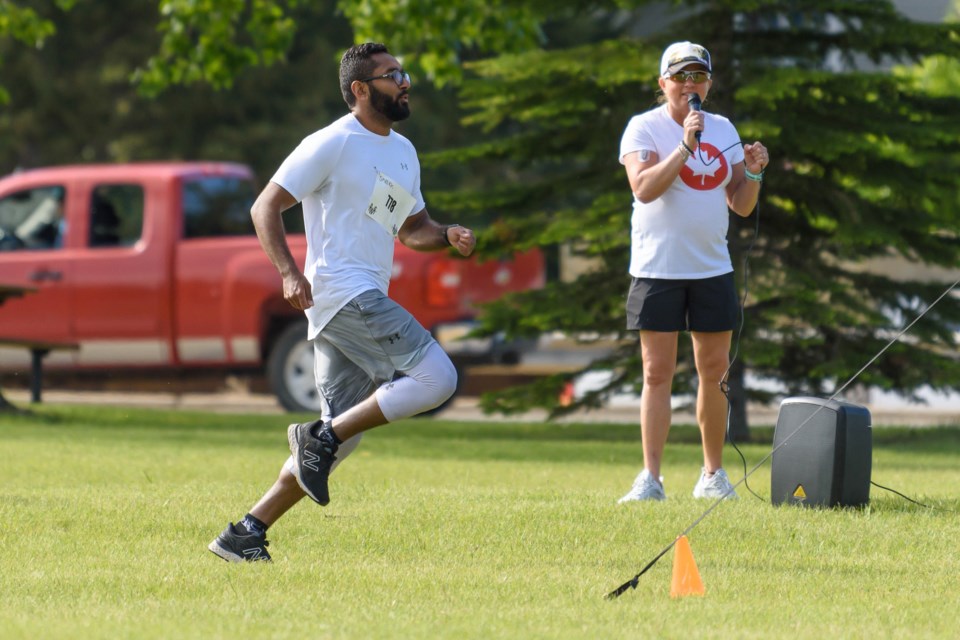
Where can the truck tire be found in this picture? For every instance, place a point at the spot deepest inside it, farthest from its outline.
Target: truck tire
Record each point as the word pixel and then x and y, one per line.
pixel 290 370
pixel 290 373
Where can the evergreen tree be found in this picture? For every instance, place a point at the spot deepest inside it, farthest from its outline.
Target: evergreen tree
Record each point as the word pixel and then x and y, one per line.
pixel 864 168
pixel 864 158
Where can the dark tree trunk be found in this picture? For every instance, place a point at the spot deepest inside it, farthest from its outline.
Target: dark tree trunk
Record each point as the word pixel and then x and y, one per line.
pixel 739 428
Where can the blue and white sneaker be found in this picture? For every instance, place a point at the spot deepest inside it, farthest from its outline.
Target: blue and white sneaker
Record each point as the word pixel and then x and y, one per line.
pixel 714 486
pixel 645 487
pixel 235 544
pixel 312 461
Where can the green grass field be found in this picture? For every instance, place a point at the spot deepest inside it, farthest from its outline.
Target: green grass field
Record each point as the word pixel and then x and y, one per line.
pixel 452 530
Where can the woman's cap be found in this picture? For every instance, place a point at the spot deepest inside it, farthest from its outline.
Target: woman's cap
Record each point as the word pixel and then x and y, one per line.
pixel 680 54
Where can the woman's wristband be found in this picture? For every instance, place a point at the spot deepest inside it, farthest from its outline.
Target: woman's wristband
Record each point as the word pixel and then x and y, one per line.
pixel 685 151
pixel 756 177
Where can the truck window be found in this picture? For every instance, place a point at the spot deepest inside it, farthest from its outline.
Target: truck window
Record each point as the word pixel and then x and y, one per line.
pixel 116 215
pixel 217 206
pixel 32 219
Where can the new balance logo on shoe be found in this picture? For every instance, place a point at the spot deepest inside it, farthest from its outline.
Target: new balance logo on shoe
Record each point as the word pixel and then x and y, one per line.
pixel 236 545
pixel 310 460
pixel 254 554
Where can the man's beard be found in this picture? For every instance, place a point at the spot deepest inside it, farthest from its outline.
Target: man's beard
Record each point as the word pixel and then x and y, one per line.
pixel 389 107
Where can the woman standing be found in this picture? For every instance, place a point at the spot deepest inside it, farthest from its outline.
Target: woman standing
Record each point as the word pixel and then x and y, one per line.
pixel 686 167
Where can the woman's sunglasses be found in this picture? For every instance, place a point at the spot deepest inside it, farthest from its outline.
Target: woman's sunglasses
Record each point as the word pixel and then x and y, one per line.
pixel 698 77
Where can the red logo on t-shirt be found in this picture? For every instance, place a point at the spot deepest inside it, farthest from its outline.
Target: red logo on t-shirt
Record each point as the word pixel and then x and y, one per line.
pixel 706 173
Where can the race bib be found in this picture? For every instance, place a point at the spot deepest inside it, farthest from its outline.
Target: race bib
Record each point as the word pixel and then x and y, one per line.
pixel 390 204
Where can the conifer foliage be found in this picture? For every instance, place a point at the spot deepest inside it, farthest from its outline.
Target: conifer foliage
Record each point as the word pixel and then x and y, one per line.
pixel 856 103
pixel 864 171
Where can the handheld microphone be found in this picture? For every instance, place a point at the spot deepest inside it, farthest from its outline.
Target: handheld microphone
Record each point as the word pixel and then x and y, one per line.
pixel 694 101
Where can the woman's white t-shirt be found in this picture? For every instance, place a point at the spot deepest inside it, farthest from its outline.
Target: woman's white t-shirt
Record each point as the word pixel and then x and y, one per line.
pixel 357 188
pixel 683 233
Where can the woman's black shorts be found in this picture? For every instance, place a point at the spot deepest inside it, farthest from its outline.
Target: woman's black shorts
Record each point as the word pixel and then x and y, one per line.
pixel 708 304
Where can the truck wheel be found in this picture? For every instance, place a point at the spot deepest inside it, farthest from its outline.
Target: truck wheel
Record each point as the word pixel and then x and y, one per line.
pixel 290 373
pixel 290 370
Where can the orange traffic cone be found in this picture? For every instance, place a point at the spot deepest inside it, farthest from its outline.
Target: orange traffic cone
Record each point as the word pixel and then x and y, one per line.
pixel 686 578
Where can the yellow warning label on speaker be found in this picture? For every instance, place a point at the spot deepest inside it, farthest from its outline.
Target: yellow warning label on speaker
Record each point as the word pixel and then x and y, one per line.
pixel 800 494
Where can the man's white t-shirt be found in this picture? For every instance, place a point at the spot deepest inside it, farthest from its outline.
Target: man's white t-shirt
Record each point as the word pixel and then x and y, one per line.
pixel 683 233
pixel 357 188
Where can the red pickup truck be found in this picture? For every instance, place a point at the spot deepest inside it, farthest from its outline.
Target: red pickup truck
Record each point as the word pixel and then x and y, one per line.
pixel 156 266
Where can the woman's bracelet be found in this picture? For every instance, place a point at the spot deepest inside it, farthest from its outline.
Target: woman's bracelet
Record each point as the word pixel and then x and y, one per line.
pixel 685 151
pixel 756 177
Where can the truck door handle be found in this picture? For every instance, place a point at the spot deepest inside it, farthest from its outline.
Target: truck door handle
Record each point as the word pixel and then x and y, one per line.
pixel 44 274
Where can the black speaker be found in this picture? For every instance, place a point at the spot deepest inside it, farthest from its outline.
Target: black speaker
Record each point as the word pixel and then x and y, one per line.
pixel 827 454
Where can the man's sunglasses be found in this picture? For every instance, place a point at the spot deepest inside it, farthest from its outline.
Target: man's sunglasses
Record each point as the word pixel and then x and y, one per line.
pixel 398 76
pixel 698 77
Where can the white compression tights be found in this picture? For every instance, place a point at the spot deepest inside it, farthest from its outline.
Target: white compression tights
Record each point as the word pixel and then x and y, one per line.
pixel 424 387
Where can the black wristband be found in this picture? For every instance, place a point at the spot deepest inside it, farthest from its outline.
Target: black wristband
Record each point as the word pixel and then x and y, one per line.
pixel 446 238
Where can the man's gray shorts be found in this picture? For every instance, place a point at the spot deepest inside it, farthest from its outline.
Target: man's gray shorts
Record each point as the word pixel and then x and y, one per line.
pixel 369 340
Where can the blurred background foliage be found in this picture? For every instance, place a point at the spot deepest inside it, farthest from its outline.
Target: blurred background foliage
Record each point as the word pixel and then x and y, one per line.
pixel 519 108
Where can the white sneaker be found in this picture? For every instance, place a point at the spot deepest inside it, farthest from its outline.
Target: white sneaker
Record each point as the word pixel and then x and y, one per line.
pixel 715 486
pixel 645 487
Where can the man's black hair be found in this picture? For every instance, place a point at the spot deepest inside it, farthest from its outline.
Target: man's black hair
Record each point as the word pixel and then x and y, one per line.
pixel 356 64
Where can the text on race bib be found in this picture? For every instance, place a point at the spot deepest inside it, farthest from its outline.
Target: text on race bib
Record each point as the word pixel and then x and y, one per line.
pixel 390 204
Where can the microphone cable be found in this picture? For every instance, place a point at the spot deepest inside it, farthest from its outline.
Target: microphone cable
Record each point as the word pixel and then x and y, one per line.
pixel 724 384
pixel 632 583
pixel 909 499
